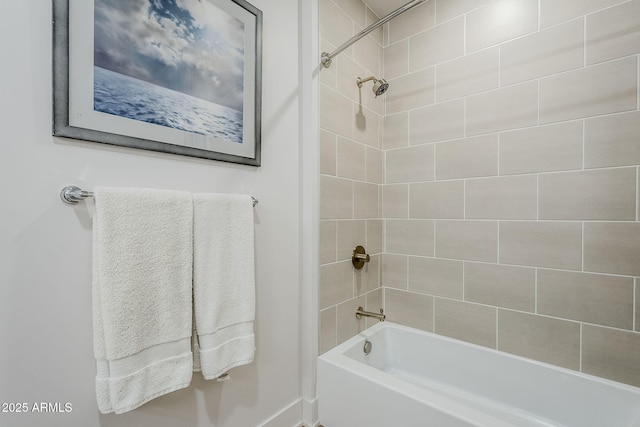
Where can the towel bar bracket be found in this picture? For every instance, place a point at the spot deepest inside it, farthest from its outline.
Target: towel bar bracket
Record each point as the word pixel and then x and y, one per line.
pixel 71 195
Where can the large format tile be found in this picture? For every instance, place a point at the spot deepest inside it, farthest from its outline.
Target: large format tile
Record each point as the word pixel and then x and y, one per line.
pixel 446 10
pixel 396 131
pixel 507 108
pixel 467 240
pixel 328 242
pixel 410 164
pixel 603 194
pixel 420 18
pixel 513 197
pixel 554 11
pixel 541 149
pixel 336 283
pixel 411 91
pixel 500 285
pixel 500 21
pixel 336 198
pixel 437 122
pixel 611 247
pixel 467 75
pixel 437 200
pixel 606 88
pixel 611 353
pixel 592 298
pixel 395 201
pixel 436 276
pixel 437 44
pixel 410 237
pixel 541 244
pixel 351 159
pixel 613 33
pixel 465 321
pixel 409 308
pixel 612 140
pixel 544 53
pixel 541 338
pixel 336 112
pixel 469 157
pixel 394 271
pixel 366 199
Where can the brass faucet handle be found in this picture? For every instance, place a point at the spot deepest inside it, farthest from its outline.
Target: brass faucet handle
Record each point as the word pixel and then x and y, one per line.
pixel 359 257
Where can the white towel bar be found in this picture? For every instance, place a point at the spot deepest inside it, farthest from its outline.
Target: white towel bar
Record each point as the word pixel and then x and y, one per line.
pixel 71 195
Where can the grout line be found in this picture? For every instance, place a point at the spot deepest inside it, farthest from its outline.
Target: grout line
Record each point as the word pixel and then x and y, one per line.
pixel 635 290
pixel 584 41
pixel 582 247
pixel 635 296
pixel 435 161
pixel 560 221
pixel 464 118
pixel 433 313
pixel 580 350
pixel 584 139
pixel 434 238
pixel 497 329
pixel 520 266
pixel 535 290
pixel 464 263
pixel 537 197
pixel 538 124
pixel 464 35
pixel 435 86
pixel 409 200
pixel 513 310
pixel 500 66
pixel 464 199
pixel 498 222
pixel 498 155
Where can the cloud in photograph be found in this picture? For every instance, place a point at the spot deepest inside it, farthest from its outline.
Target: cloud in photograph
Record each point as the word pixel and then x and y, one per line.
pixel 190 46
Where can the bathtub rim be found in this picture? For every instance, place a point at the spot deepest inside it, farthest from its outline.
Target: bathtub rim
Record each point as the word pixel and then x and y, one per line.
pixel 339 359
pixel 438 402
pixel 359 339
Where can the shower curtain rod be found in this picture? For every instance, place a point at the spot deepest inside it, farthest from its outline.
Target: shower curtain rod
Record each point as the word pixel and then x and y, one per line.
pixel 326 57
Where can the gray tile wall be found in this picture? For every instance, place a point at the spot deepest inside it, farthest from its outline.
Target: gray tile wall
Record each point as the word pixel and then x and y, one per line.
pixel 352 173
pixel 501 192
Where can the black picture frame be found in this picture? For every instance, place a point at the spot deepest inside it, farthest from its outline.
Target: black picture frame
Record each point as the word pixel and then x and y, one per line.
pixel 87 97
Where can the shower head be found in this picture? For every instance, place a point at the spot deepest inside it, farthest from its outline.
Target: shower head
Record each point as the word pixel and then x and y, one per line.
pixel 380 86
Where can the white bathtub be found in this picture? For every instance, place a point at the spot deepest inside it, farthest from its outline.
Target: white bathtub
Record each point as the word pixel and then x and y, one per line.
pixel 414 378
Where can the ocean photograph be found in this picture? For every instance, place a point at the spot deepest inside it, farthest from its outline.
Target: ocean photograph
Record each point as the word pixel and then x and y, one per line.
pixel 135 99
pixel 173 63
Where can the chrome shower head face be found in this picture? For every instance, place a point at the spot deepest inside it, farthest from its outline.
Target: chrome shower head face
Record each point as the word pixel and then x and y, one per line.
pixel 380 86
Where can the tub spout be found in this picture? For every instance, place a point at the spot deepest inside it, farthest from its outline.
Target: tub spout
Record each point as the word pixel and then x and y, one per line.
pixel 380 316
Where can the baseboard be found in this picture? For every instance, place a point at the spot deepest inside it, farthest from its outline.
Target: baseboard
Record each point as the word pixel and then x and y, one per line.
pixel 310 412
pixel 290 416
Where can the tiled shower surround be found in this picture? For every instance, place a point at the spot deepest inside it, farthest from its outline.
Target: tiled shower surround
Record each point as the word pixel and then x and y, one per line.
pixel 495 184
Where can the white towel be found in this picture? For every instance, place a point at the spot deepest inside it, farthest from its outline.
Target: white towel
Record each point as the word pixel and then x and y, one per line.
pixel 223 281
pixel 142 277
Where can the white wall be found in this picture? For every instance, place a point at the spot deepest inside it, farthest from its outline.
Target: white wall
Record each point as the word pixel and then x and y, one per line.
pixel 46 344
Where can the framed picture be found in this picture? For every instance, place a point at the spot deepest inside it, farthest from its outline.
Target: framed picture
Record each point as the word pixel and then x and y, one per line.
pixel 175 76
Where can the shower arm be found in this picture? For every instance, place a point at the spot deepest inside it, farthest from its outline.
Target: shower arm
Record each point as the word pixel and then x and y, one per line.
pixel 359 81
pixel 327 57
